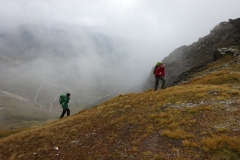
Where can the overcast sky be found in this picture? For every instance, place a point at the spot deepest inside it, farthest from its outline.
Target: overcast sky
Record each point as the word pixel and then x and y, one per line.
pixel 153 28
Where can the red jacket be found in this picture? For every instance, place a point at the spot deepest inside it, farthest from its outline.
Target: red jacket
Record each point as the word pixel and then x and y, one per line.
pixel 160 71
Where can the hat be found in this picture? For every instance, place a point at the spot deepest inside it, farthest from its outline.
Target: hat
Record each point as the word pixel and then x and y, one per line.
pixel 158 63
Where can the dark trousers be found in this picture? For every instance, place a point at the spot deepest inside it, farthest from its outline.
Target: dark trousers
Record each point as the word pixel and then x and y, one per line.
pixel 157 79
pixel 64 111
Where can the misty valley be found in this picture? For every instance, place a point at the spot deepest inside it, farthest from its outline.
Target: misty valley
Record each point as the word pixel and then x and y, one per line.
pixel 37 64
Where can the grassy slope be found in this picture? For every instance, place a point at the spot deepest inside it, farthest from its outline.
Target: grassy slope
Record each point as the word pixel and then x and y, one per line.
pixel 198 119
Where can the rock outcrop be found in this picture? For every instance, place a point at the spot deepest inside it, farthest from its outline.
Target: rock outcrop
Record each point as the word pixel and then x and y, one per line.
pixel 219 53
pixel 223 38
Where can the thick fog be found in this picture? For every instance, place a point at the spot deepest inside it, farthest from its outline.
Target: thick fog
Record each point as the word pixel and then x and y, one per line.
pixel 102 43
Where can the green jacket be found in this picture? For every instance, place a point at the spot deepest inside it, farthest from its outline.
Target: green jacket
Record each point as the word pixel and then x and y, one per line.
pixel 65 102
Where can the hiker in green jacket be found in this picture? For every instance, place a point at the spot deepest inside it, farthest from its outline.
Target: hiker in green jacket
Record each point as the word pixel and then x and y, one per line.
pixel 65 105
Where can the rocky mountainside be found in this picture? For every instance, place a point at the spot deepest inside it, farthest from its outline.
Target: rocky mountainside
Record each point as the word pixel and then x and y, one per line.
pixel 198 119
pixel 182 59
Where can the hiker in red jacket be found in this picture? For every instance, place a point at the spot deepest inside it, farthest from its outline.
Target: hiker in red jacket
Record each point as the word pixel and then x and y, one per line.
pixel 160 75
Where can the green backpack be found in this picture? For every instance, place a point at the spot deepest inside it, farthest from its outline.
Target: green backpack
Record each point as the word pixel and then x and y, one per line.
pixel 61 99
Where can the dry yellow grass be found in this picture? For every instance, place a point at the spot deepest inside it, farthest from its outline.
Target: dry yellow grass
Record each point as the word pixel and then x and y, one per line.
pixel 222 141
pixel 178 133
pixel 188 143
pixel 5 133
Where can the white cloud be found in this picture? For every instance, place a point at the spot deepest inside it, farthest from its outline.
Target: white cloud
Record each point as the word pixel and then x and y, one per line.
pixel 151 28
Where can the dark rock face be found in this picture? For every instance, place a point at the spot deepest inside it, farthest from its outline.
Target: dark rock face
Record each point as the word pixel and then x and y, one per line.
pixel 205 50
pixel 185 76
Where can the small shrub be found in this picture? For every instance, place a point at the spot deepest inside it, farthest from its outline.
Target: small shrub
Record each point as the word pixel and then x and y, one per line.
pixel 184 121
pixel 165 115
pixel 188 143
pixel 134 149
pixel 178 133
pixel 221 129
pixel 198 109
pixel 159 157
pixel 173 125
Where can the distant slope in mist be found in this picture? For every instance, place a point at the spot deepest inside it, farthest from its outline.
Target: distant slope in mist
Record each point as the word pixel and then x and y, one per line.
pixel 17 113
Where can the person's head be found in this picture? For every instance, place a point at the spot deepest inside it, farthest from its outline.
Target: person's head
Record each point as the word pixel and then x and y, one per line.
pixel 158 63
pixel 162 65
pixel 68 94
